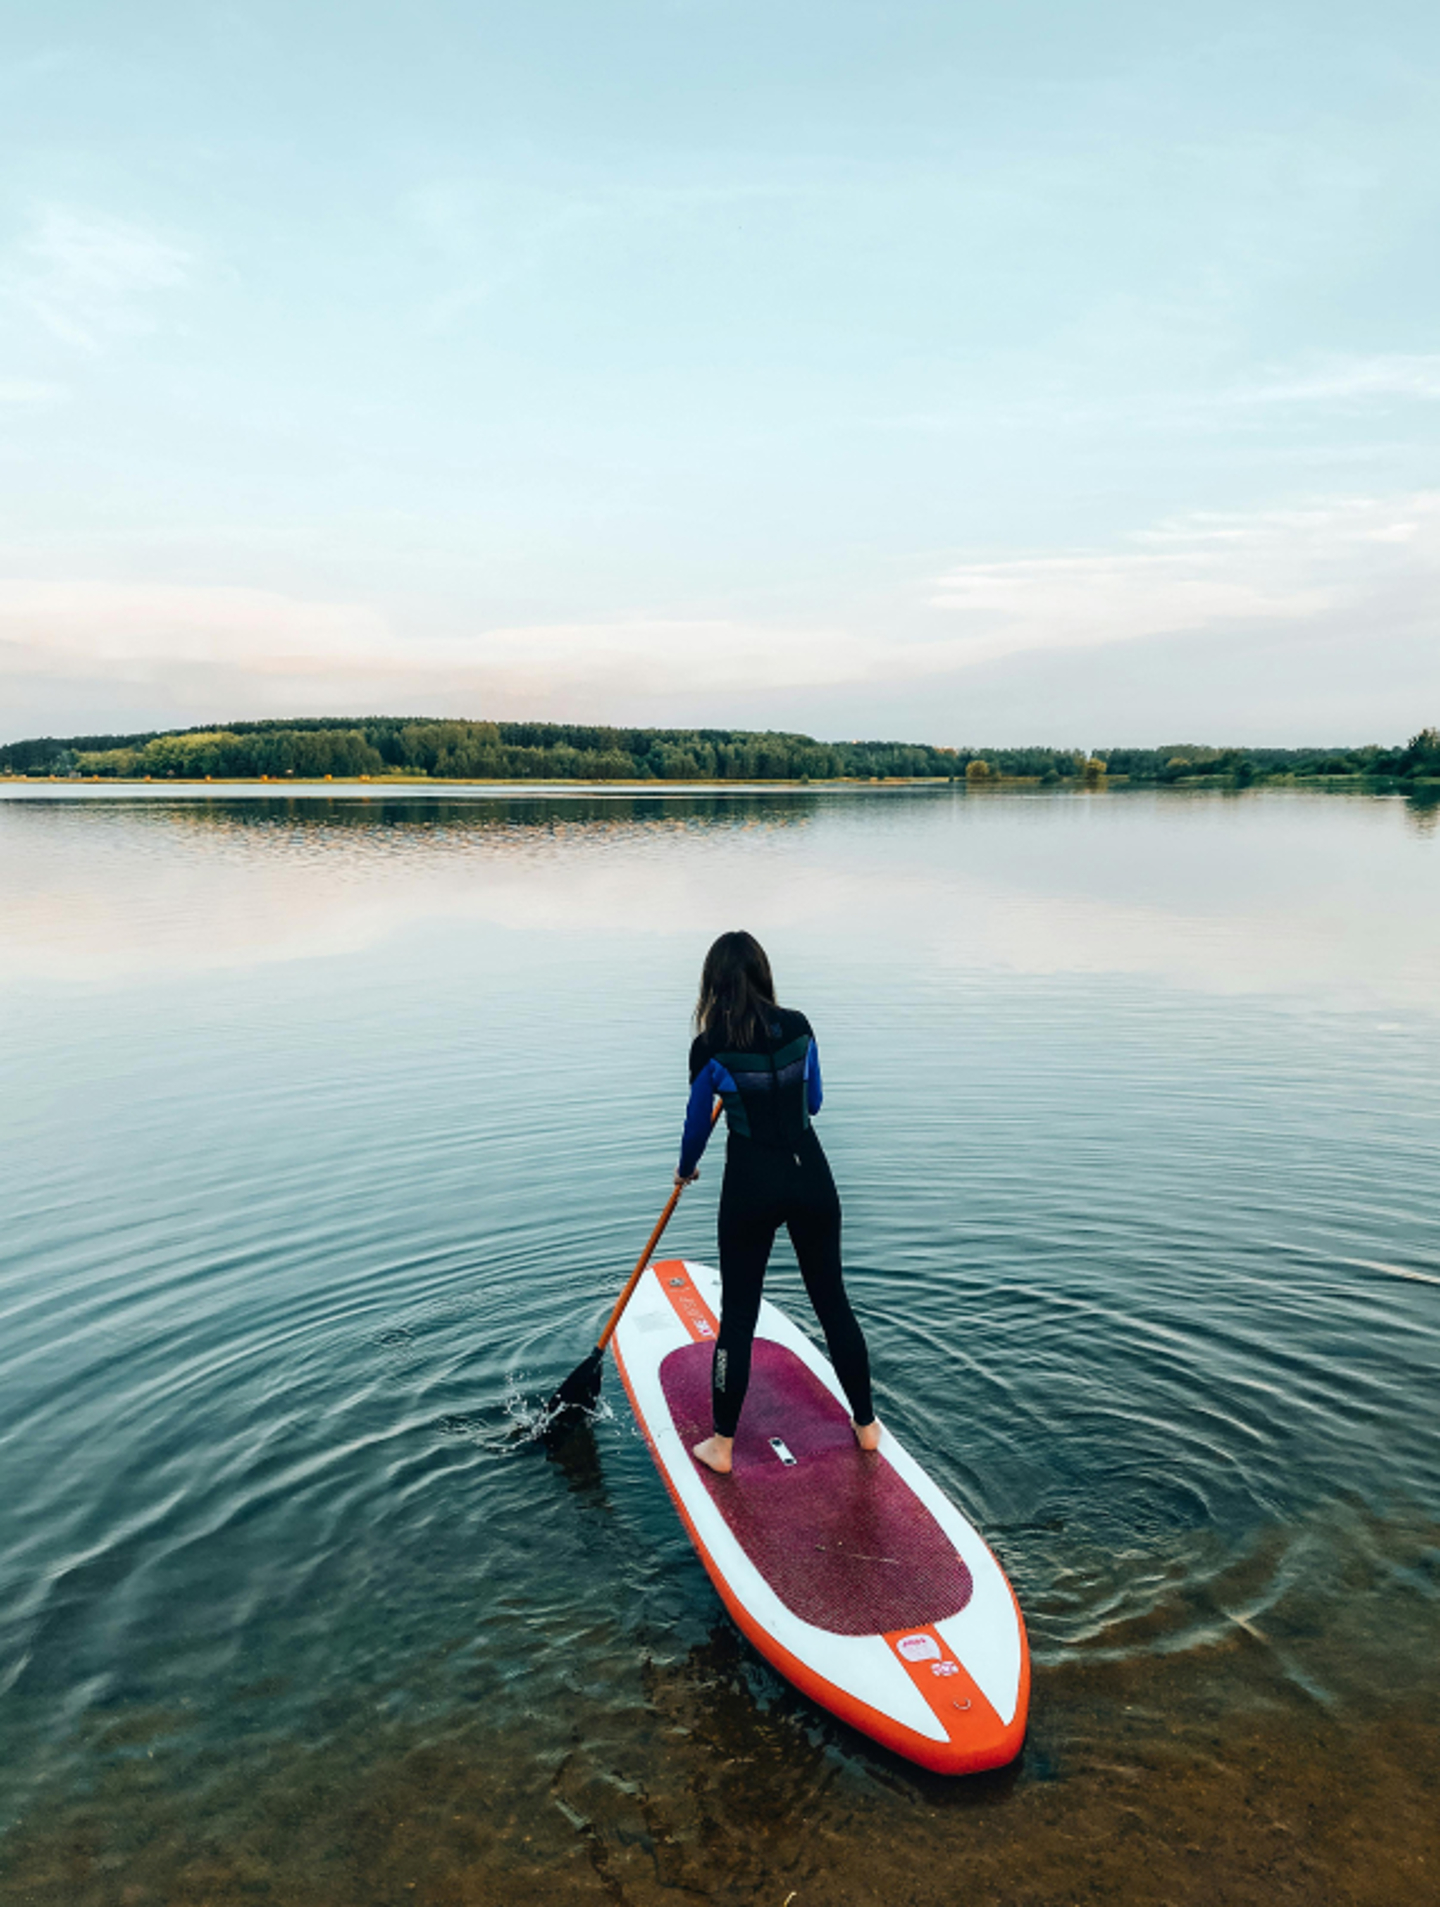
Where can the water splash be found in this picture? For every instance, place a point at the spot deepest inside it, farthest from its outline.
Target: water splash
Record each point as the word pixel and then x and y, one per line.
pixel 533 1418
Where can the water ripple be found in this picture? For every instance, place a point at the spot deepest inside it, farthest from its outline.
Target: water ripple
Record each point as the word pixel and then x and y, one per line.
pixel 304 1225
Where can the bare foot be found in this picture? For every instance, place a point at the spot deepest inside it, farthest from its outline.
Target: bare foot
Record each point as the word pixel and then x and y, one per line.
pixel 717 1453
pixel 867 1435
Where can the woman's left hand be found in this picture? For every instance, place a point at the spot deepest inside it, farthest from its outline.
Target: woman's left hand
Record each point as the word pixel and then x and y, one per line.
pixel 690 1181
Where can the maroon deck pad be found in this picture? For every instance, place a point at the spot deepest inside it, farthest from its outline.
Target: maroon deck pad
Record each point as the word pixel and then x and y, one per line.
pixel 843 1541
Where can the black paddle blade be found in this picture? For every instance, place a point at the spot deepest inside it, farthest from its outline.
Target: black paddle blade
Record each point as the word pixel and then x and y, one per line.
pixel 577 1396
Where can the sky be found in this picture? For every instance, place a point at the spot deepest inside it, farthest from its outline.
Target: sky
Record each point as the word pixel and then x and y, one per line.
pixel 1006 373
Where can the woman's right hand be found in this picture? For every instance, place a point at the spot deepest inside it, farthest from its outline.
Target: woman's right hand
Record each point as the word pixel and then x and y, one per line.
pixel 690 1181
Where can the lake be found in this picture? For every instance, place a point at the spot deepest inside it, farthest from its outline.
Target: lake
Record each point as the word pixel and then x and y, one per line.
pixel 332 1120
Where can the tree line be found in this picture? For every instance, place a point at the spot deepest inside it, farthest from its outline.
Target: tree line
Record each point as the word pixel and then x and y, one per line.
pixel 1419 759
pixel 341 747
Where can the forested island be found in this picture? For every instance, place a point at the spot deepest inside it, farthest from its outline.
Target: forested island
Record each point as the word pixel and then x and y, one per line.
pixel 377 747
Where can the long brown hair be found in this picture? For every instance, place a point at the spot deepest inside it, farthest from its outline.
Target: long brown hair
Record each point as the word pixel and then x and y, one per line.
pixel 737 994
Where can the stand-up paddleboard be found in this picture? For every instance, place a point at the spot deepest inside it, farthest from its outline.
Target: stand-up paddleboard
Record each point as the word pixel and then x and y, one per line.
pixel 849 1570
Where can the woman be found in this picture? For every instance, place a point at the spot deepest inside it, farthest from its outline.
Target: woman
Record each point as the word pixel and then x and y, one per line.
pixel 763 1062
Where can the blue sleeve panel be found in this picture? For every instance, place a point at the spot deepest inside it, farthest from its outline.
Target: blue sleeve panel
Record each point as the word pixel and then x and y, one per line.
pixel 712 1078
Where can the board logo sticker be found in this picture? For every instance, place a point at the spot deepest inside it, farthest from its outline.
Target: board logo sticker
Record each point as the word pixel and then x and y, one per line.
pixel 685 1300
pixel 921 1648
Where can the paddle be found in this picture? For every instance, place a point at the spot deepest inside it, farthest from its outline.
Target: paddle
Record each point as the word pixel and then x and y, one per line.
pixel 581 1390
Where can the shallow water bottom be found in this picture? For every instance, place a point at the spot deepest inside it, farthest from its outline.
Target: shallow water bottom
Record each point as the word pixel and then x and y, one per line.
pixel 1177 1780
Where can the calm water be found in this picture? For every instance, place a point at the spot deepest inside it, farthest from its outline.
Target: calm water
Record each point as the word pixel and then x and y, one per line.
pixel 330 1125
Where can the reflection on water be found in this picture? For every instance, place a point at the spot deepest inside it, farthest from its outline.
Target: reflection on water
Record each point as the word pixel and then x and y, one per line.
pixel 1315 897
pixel 330 1126
pixel 1422 809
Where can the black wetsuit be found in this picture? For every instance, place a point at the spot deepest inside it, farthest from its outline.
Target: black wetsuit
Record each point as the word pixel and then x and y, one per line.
pixel 776 1173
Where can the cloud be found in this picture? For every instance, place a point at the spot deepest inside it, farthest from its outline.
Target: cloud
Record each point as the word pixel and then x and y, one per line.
pixel 77 628
pixel 1204 571
pixel 87 277
pixel 85 625
pixel 1329 580
pixel 1323 385
pixel 204 653
pixel 1344 379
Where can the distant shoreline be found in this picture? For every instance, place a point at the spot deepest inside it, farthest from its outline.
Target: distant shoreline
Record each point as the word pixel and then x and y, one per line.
pixel 992 784
pixel 538 783
pixel 395 751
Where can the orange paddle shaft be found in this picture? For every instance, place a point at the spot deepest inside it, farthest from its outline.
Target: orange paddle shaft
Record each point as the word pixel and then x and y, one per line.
pixel 650 1244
